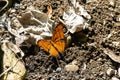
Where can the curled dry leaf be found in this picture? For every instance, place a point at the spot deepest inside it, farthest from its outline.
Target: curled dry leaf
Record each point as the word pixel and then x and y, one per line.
pixel 112 55
pixel 17 69
pixel 72 17
pixel 31 26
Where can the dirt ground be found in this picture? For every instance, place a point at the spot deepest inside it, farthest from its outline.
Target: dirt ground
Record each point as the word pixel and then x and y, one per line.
pixel 89 54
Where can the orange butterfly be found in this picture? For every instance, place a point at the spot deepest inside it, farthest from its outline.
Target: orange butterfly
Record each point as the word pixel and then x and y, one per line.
pixel 57 44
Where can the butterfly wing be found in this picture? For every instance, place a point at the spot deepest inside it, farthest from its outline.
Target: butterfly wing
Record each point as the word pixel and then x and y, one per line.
pixel 48 47
pixel 60 45
pixel 53 51
pixel 57 44
pixel 45 44
pixel 58 38
pixel 58 33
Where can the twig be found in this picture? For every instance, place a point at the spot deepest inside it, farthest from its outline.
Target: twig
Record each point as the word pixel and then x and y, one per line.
pixel 9 69
pixel 112 55
pixel 8 3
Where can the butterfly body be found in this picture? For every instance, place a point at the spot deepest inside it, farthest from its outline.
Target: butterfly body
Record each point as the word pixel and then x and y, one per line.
pixel 57 44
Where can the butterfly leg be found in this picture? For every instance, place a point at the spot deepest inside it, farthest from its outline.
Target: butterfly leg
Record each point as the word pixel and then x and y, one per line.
pixel 56 62
pixel 61 56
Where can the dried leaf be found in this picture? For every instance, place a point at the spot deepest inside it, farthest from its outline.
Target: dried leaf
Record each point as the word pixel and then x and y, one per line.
pixel 31 26
pixel 10 60
pixel 72 17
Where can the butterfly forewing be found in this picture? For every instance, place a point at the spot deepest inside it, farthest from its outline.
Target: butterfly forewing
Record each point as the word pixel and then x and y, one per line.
pixel 58 38
pixel 58 33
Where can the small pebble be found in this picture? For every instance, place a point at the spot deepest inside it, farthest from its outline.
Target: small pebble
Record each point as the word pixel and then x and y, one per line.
pixel 71 67
pixel 117 24
pixel 118 18
pixel 58 69
pixel 83 79
pixel 110 72
pixel 52 78
pixel 74 62
pixel 112 2
pixel 13 11
pixel 114 78
pixel 115 43
pixel 91 1
pixel 119 71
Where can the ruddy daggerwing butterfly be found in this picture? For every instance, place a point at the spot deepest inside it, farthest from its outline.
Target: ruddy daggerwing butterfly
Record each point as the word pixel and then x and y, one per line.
pixel 57 44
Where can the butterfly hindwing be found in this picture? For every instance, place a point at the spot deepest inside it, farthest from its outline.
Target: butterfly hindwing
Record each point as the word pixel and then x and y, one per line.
pixel 45 44
pixel 48 46
pixel 53 50
pixel 60 45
